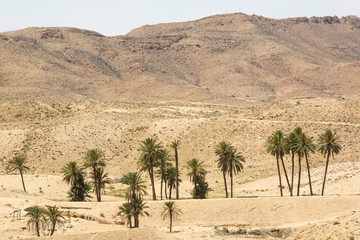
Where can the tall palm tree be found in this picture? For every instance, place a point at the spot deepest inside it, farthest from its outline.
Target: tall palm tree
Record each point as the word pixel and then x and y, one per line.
pixel 164 163
pixel 275 147
pixel 235 165
pixel 196 170
pixel 136 186
pixel 37 218
pixel 171 211
pixel 94 159
pixel 297 132
pixel 149 149
pixel 75 176
pixel 175 145
pixel 222 150
pixel 283 150
pixel 102 177
pixel 126 212
pixel 54 217
pixel 304 147
pixel 138 207
pixel 328 145
pixel 19 163
pixel 171 179
pixel 290 143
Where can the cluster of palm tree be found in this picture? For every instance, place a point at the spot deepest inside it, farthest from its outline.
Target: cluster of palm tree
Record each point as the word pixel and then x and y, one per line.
pixel 135 206
pixel 155 159
pixel 299 144
pixel 44 219
pixel 197 175
pixel 75 175
pixel 230 162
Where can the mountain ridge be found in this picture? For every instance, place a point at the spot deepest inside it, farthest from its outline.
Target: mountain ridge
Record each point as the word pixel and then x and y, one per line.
pixel 226 59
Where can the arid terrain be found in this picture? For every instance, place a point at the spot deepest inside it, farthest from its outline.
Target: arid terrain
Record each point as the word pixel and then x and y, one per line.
pixel 232 77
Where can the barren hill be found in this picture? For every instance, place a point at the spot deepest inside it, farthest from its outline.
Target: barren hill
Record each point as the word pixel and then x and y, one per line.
pixel 218 59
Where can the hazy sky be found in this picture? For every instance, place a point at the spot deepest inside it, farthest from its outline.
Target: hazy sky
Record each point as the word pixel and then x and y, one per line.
pixel 117 17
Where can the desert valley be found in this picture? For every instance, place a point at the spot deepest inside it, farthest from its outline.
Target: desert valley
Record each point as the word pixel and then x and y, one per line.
pixel 234 77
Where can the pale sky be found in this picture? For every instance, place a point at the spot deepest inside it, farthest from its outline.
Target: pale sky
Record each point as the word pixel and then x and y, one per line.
pixel 118 17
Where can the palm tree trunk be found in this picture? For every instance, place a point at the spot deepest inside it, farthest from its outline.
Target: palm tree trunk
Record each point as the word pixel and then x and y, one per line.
pixel 308 168
pixel 129 220
pixel 53 228
pixel 278 167
pixel 292 172
pixel 99 190
pixel 177 173
pixel 96 184
pixel 37 228
pixel 22 180
pixel 161 186
pixel 226 191
pixel 326 168
pixel 152 179
pixel 166 196
pixel 170 188
pixel 231 180
pixel 170 222
pixel 298 188
pixel 286 176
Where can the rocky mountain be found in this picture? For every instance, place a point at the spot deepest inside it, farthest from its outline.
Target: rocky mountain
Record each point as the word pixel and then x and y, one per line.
pixel 219 59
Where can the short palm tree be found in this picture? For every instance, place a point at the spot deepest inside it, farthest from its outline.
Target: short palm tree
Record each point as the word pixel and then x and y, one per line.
pixel 328 145
pixel 75 176
pixel 126 212
pixel 138 208
pixel 171 179
pixel 222 150
pixel 304 147
pixel 95 159
pixel 37 218
pixel 54 217
pixel 164 163
pixel 19 163
pixel 136 186
pixel 149 149
pixel 196 170
pixel 175 145
pixel 171 211
pixel 236 161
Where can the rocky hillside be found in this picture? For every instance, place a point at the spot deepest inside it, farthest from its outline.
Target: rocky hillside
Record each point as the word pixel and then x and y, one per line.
pixel 219 59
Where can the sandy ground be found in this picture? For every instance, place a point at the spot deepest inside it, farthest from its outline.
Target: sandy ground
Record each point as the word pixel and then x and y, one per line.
pixel 54 135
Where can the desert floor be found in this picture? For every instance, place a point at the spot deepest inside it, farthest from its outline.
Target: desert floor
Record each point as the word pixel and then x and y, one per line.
pixel 52 135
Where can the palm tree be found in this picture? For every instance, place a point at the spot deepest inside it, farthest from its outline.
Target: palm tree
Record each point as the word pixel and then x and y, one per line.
pixel 235 165
pixel 75 176
pixel 171 179
pixel 54 217
pixel 175 145
pixel 328 145
pixel 282 151
pixel 290 143
pixel 136 186
pixel 94 159
pixel 126 212
pixel 19 163
pixel 196 171
pixel 102 177
pixel 164 163
pixel 297 132
pixel 171 211
pixel 149 149
pixel 222 150
pixel 304 147
pixel 138 207
pixel 275 147
pixel 37 218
